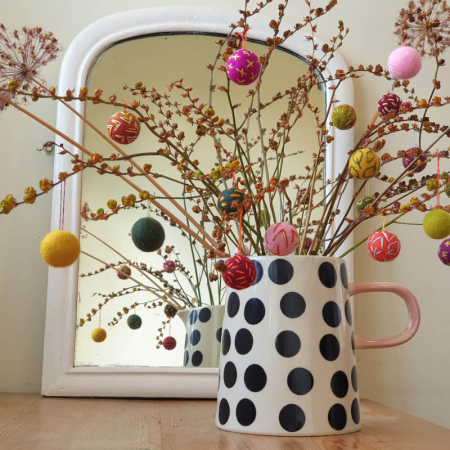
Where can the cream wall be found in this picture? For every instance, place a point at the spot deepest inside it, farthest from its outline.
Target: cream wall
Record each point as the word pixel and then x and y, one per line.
pixel 413 378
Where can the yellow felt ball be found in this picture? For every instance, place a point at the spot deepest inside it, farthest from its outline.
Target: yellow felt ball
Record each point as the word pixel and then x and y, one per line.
pixel 437 224
pixel 60 248
pixel 98 335
pixel 364 164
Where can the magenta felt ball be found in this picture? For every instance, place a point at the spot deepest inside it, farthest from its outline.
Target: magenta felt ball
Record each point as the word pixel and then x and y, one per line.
pixel 444 252
pixel 243 67
pixel 383 246
pixel 169 266
pixel 240 273
pixel 389 103
pixel 281 239
pixel 404 63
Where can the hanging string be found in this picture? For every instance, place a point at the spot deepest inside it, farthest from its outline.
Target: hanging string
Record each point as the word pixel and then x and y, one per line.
pixel 345 90
pixel 149 207
pixel 243 35
pixel 170 326
pixel 438 176
pixel 416 138
pixel 384 223
pixel 62 204
pixel 391 86
pixel 99 318
pixel 234 178
pixel 241 212
pixel 125 105
pixel 367 188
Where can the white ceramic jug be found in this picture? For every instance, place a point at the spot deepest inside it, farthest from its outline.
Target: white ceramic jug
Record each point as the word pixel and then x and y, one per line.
pixel 288 364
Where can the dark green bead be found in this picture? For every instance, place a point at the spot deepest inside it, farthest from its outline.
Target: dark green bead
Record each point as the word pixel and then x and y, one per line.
pixel 227 197
pixel 148 234
pixel 134 322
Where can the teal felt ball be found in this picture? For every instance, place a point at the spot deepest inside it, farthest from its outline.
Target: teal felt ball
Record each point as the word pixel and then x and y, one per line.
pixel 226 199
pixel 134 322
pixel 148 234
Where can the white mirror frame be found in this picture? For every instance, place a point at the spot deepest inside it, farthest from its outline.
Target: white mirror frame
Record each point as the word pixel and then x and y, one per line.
pixel 60 377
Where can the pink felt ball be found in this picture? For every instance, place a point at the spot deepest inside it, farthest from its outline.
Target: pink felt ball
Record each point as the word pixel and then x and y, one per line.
pixel 404 63
pixel 383 246
pixel 169 266
pixel 243 67
pixel 281 239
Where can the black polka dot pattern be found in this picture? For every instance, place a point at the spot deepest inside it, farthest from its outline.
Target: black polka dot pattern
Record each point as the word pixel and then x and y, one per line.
pixel 281 271
pixel 353 343
pixel 259 271
pixel 204 315
pixel 332 314
pixel 255 378
pixel 337 417
pixel 287 344
pixel 343 274
pixel 300 381
pixel 186 341
pixel 254 311
pixel 226 342
pixel 197 358
pixel 292 418
pixel 224 411
pixel 229 374
pixel 329 347
pixel 339 384
pixel 195 337
pixel 193 316
pixel 186 358
pixel 354 379
pixel 327 275
pixel 243 341
pixel 348 312
pixel 233 304
pixel 355 411
pixel 245 412
pixel 219 334
pixel 292 305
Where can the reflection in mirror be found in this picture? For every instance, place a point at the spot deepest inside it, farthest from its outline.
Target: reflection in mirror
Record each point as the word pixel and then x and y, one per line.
pixel 156 61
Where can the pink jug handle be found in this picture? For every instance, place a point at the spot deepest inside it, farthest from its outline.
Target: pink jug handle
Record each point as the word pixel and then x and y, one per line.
pixel 413 314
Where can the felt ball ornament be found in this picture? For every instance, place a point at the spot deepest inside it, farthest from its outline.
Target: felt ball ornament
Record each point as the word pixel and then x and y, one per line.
pixel 364 164
pixel 444 252
pixel 417 166
pixel 243 67
pixel 383 246
pixel 389 103
pixel 134 321
pixel 170 311
pixel 363 202
pixel 98 335
pixel 240 273
pixel 306 245
pixel 169 266
pixel 124 272
pixel 302 196
pixel 344 117
pixel 281 239
pixel 148 234
pixel 436 224
pixel 123 127
pixel 60 248
pixel 169 343
pixel 404 63
pixel 226 199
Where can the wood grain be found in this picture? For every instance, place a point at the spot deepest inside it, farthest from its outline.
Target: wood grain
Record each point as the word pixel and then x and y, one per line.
pixel 33 422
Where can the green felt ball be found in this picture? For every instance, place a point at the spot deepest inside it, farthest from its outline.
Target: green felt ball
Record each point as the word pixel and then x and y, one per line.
pixel 148 234
pixel 363 202
pixel 134 322
pixel 437 224
pixel 227 197
pixel 344 117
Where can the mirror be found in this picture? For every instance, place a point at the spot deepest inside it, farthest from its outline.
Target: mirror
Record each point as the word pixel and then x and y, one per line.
pixel 155 61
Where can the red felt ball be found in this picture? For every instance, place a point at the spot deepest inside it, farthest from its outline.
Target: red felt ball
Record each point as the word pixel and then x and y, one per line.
pixel 240 273
pixel 123 127
pixel 389 103
pixel 169 343
pixel 383 246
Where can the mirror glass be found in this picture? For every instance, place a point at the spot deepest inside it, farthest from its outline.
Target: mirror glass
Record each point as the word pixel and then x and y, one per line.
pixel 156 61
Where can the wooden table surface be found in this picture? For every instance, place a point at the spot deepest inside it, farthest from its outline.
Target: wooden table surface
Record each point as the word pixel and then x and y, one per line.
pixel 30 422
